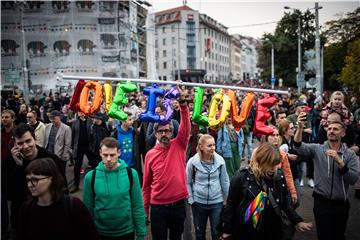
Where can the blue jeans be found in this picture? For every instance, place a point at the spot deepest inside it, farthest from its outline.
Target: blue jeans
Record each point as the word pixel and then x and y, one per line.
pixel 167 216
pixel 201 213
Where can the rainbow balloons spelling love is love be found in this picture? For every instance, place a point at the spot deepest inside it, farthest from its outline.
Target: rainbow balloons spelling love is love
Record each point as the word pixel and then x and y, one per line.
pixel 216 119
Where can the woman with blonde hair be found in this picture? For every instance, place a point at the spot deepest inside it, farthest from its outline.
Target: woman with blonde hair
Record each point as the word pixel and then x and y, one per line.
pixel 259 200
pixel 208 186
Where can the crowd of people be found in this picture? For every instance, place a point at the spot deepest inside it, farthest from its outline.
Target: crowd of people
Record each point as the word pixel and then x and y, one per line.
pixel 142 173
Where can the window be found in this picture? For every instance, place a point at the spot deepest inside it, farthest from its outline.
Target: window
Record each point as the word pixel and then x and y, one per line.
pixel 174 64
pixel 156 43
pixel 164 41
pixel 173 28
pixel 164 53
pixel 164 65
pixel 173 40
pixel 163 30
pixel 174 52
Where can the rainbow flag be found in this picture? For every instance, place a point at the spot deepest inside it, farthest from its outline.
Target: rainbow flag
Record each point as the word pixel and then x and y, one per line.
pixel 255 208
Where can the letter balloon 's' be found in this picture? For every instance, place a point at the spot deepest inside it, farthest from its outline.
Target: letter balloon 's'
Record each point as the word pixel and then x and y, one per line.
pixel 108 96
pixel 262 115
pixel 197 117
pixel 92 108
pixel 217 123
pixel 74 102
pixel 153 92
pixel 173 93
pixel 120 99
pixel 238 120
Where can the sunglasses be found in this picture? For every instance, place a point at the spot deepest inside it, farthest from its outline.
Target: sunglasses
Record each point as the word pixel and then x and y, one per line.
pixel 34 181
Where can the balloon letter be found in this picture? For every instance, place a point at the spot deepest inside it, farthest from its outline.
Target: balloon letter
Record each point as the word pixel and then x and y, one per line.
pixel 197 117
pixel 150 115
pixel 173 93
pixel 96 101
pixel 108 96
pixel 238 121
pixel 262 116
pixel 74 102
pixel 214 123
pixel 120 99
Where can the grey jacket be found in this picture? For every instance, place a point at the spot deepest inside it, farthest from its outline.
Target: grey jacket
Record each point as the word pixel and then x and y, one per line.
pixel 330 181
pixel 207 187
pixel 62 147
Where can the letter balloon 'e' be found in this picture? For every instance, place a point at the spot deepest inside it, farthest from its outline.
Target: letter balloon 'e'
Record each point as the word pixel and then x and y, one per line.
pixel 120 100
pixel 262 115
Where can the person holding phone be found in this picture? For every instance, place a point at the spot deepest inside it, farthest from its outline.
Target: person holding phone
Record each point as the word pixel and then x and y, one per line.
pixel 335 168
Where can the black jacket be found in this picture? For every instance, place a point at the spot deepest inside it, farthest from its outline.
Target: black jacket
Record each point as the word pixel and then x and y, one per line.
pixel 14 179
pixel 243 189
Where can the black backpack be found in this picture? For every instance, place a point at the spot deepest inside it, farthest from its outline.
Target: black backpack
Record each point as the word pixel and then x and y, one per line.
pixel 129 173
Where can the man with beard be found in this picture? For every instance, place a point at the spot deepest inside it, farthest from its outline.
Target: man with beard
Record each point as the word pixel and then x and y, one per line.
pixel 164 187
pixel 335 168
pixel 13 168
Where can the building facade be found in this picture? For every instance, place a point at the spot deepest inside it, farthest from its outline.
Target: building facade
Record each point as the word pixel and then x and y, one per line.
pixel 191 46
pixel 235 59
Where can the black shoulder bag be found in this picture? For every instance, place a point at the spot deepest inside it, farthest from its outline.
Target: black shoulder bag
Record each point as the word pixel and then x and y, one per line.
pixel 287 227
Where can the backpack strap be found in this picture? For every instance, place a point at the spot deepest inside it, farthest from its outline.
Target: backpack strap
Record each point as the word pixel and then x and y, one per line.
pixel 93 182
pixel 130 176
pixel 193 173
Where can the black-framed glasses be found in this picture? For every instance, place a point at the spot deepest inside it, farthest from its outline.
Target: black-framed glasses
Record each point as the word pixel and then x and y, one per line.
pixel 162 131
pixel 34 181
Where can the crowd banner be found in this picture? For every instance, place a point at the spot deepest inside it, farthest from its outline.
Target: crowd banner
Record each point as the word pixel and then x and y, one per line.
pixel 191 84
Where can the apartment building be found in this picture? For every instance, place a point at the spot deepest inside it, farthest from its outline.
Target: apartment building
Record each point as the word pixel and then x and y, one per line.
pixel 191 46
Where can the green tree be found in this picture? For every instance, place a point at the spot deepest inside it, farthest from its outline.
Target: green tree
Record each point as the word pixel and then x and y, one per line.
pixel 285 40
pixel 350 73
pixel 340 35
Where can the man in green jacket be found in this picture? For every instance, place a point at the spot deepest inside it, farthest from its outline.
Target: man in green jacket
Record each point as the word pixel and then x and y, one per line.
pixel 114 200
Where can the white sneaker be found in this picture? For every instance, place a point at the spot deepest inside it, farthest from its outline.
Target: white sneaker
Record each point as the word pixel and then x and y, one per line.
pixel 311 183
pixel 301 183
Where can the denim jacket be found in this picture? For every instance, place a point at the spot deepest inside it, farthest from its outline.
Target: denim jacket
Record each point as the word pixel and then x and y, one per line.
pixel 223 146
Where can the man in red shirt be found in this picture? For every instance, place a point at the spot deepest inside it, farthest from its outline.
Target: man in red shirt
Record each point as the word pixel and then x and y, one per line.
pixel 164 187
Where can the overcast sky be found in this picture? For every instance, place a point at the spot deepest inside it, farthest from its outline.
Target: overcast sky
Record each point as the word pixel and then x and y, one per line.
pixel 238 14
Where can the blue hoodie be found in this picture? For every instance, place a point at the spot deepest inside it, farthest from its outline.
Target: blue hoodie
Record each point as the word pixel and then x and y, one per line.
pixel 126 145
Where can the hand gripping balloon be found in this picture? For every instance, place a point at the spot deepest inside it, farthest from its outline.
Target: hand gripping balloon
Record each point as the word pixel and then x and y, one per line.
pixel 74 102
pixel 153 92
pixel 197 117
pixel 173 93
pixel 215 123
pixel 262 115
pixel 85 107
pixel 238 120
pixel 120 99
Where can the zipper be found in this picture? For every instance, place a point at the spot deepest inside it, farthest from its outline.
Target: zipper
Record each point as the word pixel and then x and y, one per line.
pixel 208 188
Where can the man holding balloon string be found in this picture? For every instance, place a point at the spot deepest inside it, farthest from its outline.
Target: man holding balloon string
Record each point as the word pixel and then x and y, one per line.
pixel 164 186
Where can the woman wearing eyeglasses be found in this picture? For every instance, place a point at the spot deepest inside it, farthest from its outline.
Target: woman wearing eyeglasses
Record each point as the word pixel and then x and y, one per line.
pixel 275 139
pixel 257 196
pixel 208 184
pixel 287 132
pixel 50 214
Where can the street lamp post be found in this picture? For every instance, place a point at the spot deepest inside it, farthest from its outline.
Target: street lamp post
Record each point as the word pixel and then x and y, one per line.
pixel 272 65
pixel 319 80
pixel 25 69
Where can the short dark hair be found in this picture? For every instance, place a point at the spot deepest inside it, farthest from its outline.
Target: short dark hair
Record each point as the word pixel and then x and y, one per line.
pixel 109 142
pixel 48 167
pixel 21 129
pixel 161 106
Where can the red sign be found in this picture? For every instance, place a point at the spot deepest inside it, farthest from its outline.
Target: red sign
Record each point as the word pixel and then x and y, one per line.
pixel 190 16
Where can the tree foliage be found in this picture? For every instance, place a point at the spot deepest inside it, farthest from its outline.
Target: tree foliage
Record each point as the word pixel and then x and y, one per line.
pixel 285 40
pixel 350 74
pixel 340 51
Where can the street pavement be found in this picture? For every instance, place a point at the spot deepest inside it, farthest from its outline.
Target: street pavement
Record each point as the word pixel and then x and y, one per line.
pixel 305 211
